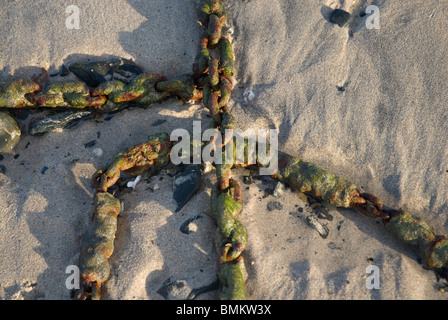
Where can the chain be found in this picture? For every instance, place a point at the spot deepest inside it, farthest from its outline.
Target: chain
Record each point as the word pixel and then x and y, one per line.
pixel 97 243
pixel 109 96
pixel 212 82
pixel 214 75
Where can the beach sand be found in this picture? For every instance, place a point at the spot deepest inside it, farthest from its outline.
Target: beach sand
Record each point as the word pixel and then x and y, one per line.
pixel 386 133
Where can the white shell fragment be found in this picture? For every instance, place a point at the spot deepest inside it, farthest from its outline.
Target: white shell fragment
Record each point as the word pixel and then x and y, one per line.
pixel 132 184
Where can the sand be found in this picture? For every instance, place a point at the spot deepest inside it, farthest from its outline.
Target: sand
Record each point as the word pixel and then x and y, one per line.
pixel 386 133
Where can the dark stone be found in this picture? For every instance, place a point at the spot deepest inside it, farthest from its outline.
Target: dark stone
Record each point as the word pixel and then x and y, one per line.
pixel 340 17
pixel 274 205
pixel 186 184
pixel 96 72
pixel 61 120
pixel 63 71
pixel 90 144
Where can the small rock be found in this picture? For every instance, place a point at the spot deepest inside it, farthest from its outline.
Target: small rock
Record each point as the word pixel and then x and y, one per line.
pixel 341 18
pixel 333 246
pixel 98 152
pixel 56 121
pixel 247 180
pixel 248 95
pixel 279 190
pixel 9 132
pixel 274 205
pixel 90 144
pixel 154 187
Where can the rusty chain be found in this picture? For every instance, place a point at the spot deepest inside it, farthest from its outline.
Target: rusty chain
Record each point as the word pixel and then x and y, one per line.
pixel 109 96
pixel 212 82
pixel 213 71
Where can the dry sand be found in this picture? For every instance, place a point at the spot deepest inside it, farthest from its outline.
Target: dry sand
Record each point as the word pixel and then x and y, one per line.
pixel 386 133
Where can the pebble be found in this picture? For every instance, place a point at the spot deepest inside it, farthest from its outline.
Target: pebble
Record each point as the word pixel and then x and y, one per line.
pixel 274 205
pixel 9 132
pixel 341 18
pixel 90 144
pixel 279 190
pixel 98 152
pixel 247 180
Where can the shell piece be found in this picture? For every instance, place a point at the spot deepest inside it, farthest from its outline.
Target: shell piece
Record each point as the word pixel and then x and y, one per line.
pixel 314 223
pixel 9 132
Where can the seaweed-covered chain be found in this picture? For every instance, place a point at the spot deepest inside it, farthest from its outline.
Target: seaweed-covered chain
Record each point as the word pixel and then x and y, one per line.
pixel 97 243
pixel 144 89
pixel 411 231
pixel 213 70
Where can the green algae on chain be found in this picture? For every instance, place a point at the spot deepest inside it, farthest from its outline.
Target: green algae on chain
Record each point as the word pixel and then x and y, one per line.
pixel 227 56
pixel 232 275
pixel 72 93
pixel 135 161
pixel 97 244
pixel 417 234
pixel 232 236
pixel 309 178
pixel 15 95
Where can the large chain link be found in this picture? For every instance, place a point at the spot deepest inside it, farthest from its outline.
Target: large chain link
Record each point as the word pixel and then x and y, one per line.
pixel 213 69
